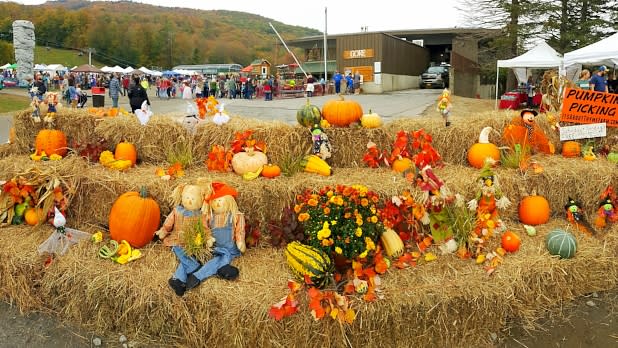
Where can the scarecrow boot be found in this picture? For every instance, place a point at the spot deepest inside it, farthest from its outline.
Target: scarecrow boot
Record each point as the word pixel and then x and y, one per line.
pixel 177 285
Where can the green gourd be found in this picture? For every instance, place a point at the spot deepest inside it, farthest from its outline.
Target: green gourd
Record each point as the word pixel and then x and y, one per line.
pixel 561 243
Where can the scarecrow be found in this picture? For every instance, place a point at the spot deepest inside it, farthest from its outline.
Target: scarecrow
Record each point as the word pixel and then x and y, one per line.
pixel 608 208
pixel 321 145
pixel 36 109
pixel 51 99
pixel 435 197
pixel 525 132
pixel 228 229
pixel 191 209
pixel 444 106
pixel 576 218
pixel 488 200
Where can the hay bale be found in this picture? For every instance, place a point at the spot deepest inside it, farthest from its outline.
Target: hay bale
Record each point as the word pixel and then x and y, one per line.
pixel 446 302
pixel 153 140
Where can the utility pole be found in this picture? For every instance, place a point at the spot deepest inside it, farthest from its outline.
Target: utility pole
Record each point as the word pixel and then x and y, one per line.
pixel 90 52
pixel 170 38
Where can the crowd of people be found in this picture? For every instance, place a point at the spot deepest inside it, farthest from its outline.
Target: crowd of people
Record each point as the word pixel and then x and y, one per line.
pixel 601 80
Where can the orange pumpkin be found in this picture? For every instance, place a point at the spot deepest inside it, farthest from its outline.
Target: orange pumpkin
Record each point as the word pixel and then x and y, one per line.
pixel 534 210
pixel 342 112
pixel 510 241
pixel 33 216
pixel 52 141
pixel 134 217
pixel 126 151
pixel 271 171
pixel 571 149
pixel 401 164
pixel 482 150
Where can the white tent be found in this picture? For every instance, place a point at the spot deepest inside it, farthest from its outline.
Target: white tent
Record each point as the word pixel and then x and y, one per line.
pixel 128 70
pixel 117 69
pixel 106 69
pixel 39 67
pixel 55 67
pixel 541 56
pixel 5 66
pixel 604 52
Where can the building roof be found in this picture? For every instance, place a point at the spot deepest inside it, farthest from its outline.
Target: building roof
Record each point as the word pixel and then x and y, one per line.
pixel 317 67
pixel 479 32
pixel 260 62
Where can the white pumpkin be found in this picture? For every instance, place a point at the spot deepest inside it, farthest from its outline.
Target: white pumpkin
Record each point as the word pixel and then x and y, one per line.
pixel 249 161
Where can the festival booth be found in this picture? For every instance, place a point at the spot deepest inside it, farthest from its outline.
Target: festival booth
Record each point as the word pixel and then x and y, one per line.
pixel 604 52
pixel 541 56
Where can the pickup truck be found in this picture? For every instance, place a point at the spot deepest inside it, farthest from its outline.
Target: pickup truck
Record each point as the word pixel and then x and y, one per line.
pixel 435 77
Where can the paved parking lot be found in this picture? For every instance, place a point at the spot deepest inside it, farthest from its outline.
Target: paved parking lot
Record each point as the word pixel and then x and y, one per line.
pixel 400 104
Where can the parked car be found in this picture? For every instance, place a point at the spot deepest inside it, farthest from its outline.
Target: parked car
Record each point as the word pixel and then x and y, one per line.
pixel 435 77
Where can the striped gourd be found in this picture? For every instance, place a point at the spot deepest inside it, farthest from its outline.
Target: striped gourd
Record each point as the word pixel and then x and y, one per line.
pixel 561 243
pixel 307 260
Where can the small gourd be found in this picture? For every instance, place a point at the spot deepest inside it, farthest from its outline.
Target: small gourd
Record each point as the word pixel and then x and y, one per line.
pixel 401 164
pixel 271 171
pixel 305 260
pixel 393 245
pixel 371 120
pixel 126 151
pixel 482 150
pixel 308 115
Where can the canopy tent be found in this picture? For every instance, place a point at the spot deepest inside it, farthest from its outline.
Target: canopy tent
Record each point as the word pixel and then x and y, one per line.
pixel 106 69
pixel 604 52
pixel 87 68
pixel 170 73
pixel 39 67
pixel 247 69
pixel 128 70
pixel 55 67
pixel 541 56
pixel 5 66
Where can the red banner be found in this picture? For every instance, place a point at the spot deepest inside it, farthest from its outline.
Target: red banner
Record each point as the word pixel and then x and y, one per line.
pixel 584 106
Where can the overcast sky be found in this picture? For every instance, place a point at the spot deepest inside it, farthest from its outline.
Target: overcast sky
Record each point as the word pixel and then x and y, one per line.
pixel 343 16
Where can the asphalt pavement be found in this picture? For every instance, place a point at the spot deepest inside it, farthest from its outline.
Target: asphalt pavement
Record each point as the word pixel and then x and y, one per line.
pixel 394 105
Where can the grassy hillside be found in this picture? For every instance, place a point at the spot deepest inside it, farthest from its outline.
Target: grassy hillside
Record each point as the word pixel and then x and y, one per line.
pixel 68 58
pixel 129 33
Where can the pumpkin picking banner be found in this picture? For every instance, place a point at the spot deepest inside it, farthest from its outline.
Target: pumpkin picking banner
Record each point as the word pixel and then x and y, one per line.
pixel 583 106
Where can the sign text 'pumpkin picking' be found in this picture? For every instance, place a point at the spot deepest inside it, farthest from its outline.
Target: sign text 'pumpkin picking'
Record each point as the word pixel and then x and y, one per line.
pixel 583 106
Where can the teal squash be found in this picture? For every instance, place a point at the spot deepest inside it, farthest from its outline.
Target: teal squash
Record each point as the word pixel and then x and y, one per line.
pixel 561 243
pixel 308 115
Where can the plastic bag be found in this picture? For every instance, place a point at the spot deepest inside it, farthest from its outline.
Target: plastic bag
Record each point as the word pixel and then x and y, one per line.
pixel 144 114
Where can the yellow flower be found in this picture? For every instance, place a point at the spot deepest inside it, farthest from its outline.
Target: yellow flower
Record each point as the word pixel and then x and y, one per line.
pixel 198 239
pixel 370 244
pixel 491 224
pixel 312 202
pixel 364 202
pixel 329 194
pixel 363 254
pixel 97 237
pixel 374 219
pixel 339 201
pixel 359 221
pixel 338 250
pixel 373 210
pixel 358 232
pixel 332 199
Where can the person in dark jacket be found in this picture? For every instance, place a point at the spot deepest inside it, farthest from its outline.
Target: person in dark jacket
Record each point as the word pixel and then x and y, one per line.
pixel 137 95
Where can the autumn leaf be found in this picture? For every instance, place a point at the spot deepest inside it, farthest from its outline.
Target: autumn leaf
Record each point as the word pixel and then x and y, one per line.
pixel 333 313
pixel 294 286
pixel 350 315
pixel 349 288
pixel 284 308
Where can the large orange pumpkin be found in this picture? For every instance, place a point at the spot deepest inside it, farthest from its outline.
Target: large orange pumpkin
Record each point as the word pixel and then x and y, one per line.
pixel 52 141
pixel 342 112
pixel 571 149
pixel 126 151
pixel 134 217
pixel 402 164
pixel 534 210
pixel 482 150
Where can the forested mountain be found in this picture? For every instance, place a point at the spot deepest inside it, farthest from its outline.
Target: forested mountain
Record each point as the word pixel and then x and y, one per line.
pixel 127 33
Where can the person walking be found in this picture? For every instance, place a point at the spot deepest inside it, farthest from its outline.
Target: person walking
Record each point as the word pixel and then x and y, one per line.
pixel 125 85
pixel 337 79
pixel 114 90
pixel 598 82
pixel 137 95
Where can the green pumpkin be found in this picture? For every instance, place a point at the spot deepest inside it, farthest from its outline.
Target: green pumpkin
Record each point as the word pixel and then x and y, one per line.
pixel 308 115
pixel 561 243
